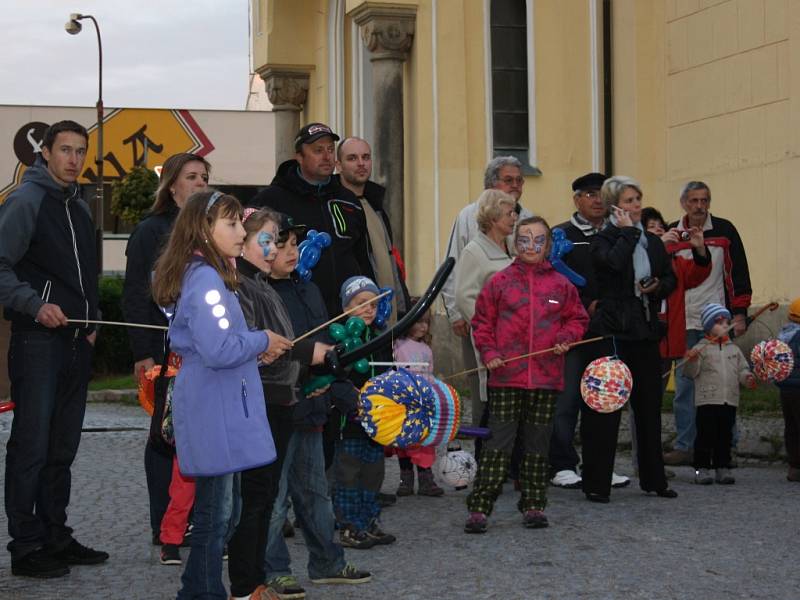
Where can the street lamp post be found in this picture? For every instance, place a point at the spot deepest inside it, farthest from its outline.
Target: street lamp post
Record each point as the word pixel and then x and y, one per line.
pixel 74 27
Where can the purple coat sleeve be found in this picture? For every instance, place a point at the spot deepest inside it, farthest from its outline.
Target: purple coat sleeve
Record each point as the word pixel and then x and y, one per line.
pixel 211 312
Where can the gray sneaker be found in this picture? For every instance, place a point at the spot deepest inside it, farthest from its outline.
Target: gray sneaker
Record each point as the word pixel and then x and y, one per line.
pixel 347 575
pixel 724 477
pixel 703 477
pixel 286 587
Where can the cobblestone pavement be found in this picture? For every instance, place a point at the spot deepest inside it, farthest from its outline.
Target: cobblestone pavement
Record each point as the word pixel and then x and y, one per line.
pixel 712 542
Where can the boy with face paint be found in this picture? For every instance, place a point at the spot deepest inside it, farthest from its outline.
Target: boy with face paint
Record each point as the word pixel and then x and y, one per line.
pixel 527 296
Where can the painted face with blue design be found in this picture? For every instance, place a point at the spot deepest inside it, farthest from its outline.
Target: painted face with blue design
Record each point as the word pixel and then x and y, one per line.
pixel 259 247
pixel 532 242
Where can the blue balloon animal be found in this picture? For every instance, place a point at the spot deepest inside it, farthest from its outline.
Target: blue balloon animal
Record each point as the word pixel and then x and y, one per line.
pixel 561 246
pixel 384 309
pixel 310 250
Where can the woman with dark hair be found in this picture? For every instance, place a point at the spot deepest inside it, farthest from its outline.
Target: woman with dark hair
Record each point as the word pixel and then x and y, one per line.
pixel 634 274
pixel 218 409
pixel 181 176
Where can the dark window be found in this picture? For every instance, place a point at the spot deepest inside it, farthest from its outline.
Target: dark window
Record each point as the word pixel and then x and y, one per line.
pixel 509 44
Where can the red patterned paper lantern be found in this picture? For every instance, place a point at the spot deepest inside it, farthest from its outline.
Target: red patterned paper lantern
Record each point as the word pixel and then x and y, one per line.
pixel 606 384
pixel 772 360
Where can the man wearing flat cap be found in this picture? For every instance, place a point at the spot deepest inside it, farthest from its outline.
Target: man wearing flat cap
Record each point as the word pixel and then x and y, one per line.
pixel 304 189
pixel 589 218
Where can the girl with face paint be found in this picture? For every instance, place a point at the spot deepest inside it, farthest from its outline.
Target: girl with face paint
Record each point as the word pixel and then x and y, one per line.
pixel 264 309
pixel 523 308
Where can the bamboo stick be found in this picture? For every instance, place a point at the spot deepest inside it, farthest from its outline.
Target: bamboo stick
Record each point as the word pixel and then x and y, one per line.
pixel 521 356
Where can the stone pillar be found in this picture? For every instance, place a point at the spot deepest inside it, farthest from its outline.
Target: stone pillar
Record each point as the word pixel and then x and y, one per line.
pixel 287 90
pixel 388 32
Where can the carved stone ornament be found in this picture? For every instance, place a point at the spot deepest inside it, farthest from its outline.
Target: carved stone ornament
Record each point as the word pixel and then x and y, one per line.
pixel 387 33
pixel 286 89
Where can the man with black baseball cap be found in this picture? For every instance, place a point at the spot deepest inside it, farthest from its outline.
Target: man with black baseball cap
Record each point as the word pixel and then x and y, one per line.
pixel 305 190
pixel 589 218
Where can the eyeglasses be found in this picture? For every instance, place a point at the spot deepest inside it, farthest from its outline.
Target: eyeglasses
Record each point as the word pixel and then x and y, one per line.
pixel 593 194
pixel 513 180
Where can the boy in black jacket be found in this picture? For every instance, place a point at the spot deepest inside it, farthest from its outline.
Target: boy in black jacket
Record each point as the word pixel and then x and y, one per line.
pixel 303 473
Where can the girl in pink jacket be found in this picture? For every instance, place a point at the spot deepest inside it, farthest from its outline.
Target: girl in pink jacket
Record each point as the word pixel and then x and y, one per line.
pixel 526 307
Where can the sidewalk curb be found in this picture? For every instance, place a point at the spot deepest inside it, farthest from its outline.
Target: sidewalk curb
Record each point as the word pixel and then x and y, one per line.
pixel 114 396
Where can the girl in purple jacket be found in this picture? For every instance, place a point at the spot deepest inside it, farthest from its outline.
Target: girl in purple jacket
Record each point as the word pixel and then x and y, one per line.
pixel 218 406
pixel 524 308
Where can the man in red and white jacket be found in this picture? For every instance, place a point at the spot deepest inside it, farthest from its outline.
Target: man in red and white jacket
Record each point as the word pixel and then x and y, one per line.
pixel 728 284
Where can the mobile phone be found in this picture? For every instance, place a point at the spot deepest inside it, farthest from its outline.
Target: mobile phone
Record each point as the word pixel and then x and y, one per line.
pixel 647 281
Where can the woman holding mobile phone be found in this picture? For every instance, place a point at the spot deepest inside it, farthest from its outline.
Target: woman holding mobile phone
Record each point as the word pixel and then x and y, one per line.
pixel 634 274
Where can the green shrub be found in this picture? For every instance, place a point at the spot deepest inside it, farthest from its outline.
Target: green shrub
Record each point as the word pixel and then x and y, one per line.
pixel 133 196
pixel 113 351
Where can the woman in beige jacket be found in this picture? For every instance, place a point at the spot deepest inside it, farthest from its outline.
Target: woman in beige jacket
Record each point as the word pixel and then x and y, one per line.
pixel 484 256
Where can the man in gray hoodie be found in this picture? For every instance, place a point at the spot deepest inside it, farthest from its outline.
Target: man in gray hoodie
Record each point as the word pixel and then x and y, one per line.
pixel 48 285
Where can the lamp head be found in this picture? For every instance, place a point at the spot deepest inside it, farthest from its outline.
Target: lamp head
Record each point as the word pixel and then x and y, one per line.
pixel 73 27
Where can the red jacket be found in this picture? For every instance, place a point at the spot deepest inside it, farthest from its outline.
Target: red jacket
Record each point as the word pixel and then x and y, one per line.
pixel 690 273
pixel 522 309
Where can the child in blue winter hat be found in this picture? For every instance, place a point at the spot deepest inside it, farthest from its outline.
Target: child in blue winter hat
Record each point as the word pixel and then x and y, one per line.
pixel 718 367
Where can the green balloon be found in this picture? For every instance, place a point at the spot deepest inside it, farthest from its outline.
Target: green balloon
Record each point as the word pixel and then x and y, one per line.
pixel 355 326
pixel 320 381
pixel 351 344
pixel 361 366
pixel 337 331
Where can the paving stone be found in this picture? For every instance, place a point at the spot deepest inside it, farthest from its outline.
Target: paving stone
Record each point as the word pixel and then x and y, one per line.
pixel 712 542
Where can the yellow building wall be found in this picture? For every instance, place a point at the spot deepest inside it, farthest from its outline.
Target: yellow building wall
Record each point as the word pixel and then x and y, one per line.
pixel 701 90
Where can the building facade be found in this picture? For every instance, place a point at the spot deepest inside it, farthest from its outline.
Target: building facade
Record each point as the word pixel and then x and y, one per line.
pixel 665 91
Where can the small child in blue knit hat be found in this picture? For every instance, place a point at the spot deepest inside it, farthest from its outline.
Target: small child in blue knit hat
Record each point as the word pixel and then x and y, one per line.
pixel 359 463
pixel 718 367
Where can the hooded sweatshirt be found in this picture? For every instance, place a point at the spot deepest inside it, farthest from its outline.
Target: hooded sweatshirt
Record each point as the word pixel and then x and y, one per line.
pixel 47 251
pixel 325 207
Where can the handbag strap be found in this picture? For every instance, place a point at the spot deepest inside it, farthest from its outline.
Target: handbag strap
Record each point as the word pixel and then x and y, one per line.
pixel 165 362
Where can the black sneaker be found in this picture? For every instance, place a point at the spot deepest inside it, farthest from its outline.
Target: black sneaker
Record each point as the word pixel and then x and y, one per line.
pixel 78 554
pixel 347 575
pixel 380 537
pixel 385 500
pixel 39 564
pixel 187 536
pixel 288 529
pixel 355 539
pixel 170 554
pixel 286 587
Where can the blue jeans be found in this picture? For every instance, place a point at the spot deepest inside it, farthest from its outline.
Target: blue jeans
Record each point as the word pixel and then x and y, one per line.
pixel 303 476
pixel 683 404
pixel 49 372
pixel 214 521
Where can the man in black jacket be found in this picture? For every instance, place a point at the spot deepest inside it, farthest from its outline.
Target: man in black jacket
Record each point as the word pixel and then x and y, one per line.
pixel 586 221
pixel 305 189
pixel 48 284
pixel 354 164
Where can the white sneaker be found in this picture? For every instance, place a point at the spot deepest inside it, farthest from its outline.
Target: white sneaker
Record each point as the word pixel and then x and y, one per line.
pixel 566 479
pixel 619 481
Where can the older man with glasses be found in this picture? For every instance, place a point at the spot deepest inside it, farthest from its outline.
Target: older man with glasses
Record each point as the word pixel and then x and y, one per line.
pixel 589 217
pixel 503 173
pixel 728 284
